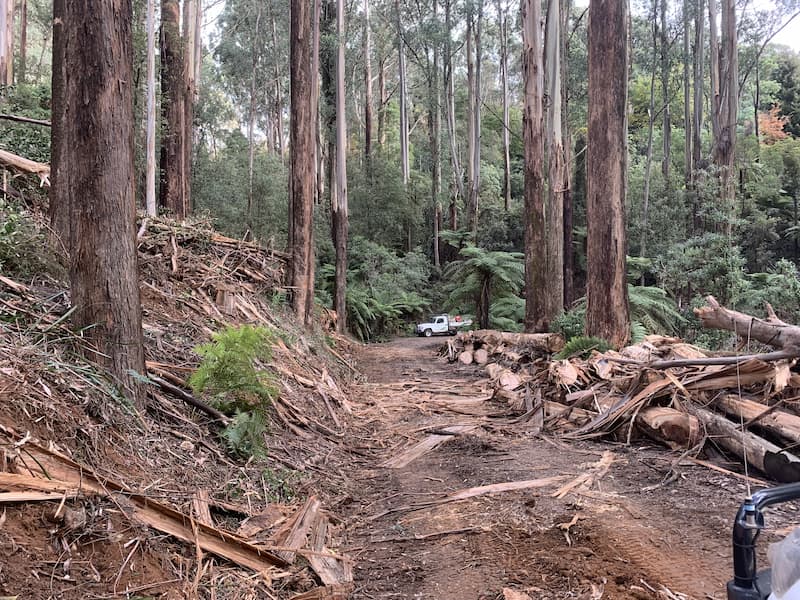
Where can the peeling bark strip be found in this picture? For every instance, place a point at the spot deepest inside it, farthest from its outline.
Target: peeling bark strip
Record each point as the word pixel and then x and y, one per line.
pixel 96 183
pixel 607 287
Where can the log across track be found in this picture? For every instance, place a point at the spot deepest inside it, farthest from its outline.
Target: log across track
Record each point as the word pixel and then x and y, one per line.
pixel 560 520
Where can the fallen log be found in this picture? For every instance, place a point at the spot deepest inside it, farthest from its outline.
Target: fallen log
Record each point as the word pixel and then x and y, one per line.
pixel 545 343
pixel 756 451
pixel 771 331
pixel 777 422
pixel 669 426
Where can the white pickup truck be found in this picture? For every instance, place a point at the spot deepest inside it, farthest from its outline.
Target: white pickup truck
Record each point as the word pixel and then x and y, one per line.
pixel 442 325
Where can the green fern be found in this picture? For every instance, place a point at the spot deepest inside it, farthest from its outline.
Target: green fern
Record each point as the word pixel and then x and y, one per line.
pixel 653 309
pixel 582 346
pixel 228 375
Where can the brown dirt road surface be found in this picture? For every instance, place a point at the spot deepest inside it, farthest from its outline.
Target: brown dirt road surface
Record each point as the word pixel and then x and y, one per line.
pixel 619 533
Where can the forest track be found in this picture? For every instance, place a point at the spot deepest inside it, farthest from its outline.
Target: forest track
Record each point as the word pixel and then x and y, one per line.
pixel 623 536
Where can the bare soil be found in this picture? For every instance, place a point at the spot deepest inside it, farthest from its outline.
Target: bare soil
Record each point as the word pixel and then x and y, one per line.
pixel 634 532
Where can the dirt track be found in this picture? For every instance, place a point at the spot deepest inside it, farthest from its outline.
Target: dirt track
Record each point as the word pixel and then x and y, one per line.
pixel 621 535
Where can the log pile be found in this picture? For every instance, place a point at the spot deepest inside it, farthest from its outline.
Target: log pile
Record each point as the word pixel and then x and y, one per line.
pixel 661 388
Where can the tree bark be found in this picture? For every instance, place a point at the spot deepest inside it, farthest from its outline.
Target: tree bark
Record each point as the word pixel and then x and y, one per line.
pixel 434 132
pixel 687 102
pixel 251 121
pixel 190 35
pixel 569 253
pixel 475 183
pixel 697 116
pixel 96 184
pixel 302 177
pixel 502 15
pixel 558 181
pixel 776 422
pixel 472 210
pixel 23 41
pixel 533 137
pixel 172 192
pixel 6 57
pixel 450 105
pixel 666 128
pixel 728 107
pixel 384 100
pixel 150 136
pixel 771 331
pixel 58 214
pixel 607 287
pixel 367 49
pixel 648 161
pixel 401 60
pixel 339 207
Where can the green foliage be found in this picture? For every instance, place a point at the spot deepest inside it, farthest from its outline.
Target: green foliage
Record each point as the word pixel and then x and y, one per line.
pixel 483 276
pixel 653 310
pixel 228 374
pixel 385 290
pixel 507 313
pixel 571 323
pixel 582 346
pixel 21 243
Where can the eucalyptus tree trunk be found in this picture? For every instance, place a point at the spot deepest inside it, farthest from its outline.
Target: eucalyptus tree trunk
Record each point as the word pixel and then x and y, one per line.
pixel 651 109
pixel 472 211
pixel 150 136
pixel 558 180
pixel 279 92
pixel 96 187
pixel 384 100
pixel 698 100
pixel 475 183
pixel 367 51
pixel 302 176
pixel 339 214
pixel 533 137
pixel 172 192
pixel 450 107
pixel 607 287
pixel 666 129
pixel 23 41
pixel 434 132
pixel 403 91
pixel 59 219
pixel 502 15
pixel 6 42
pixel 728 107
pixel 569 255
pixel 687 102
pixel 713 47
pixel 251 121
pixel 190 40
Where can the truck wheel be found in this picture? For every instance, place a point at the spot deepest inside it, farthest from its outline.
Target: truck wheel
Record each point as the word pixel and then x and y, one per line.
pixel 453 332
pixel 428 333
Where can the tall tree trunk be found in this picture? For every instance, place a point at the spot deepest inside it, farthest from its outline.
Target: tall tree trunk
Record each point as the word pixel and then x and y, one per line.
pixel 502 15
pixel 697 113
pixel 150 136
pixel 190 35
pixel 98 184
pixel 339 207
pixel 607 288
pixel 533 137
pixel 569 254
pixel 251 121
pixel 434 133
pixel 367 49
pixel 23 41
pixel 172 191
pixel 302 180
pixel 728 106
pixel 279 91
pixel 666 128
pixel 384 100
pixel 687 99
pixel 58 215
pixel 475 182
pixel 713 46
pixel 403 91
pixel 319 161
pixel 457 194
pixel 472 214
pixel 557 168
pixel 648 163
pixel 6 42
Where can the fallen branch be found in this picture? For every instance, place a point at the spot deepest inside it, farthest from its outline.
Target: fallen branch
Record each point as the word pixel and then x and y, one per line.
pixel 702 362
pixel 18 119
pixel 25 165
pixel 189 399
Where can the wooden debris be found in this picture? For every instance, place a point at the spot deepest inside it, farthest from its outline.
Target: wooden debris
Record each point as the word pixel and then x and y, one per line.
pixel 332 570
pixel 328 592
pixel 429 443
pixel 200 508
pixel 294 533
pixel 24 165
pixel 509 594
pixel 670 426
